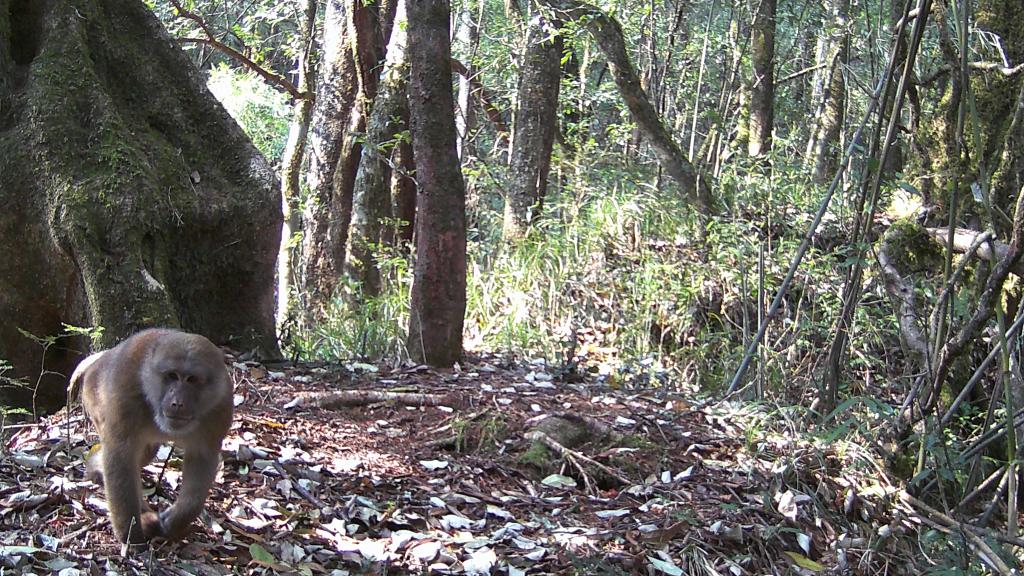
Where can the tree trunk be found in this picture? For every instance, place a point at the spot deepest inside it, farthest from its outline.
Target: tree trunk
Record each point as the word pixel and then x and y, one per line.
pixel 534 131
pixel 438 301
pixel 468 35
pixel 608 35
pixel 762 87
pixel 370 200
pixel 291 164
pixel 829 99
pixel 336 94
pixel 127 189
pixel 1000 103
pixel 403 184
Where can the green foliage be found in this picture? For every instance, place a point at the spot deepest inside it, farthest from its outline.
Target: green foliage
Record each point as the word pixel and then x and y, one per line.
pixel 259 109
pixel 358 326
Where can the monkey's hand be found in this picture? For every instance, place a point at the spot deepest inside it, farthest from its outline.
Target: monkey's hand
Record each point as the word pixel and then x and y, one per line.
pixel 151 525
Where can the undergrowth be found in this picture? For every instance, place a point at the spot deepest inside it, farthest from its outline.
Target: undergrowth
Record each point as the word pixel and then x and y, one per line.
pixel 613 281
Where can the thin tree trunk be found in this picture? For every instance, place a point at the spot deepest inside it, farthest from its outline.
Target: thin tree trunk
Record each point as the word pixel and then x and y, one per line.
pixel 403 184
pixel 829 99
pixel 700 79
pixel 762 88
pixel 291 163
pixel 535 125
pixel 608 35
pixel 468 35
pixel 438 300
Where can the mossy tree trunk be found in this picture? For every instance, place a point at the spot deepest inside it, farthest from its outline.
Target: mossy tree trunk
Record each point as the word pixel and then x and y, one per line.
pixel 533 132
pixel 130 197
pixel 943 160
pixel 829 95
pixel 354 34
pixel 291 165
pixel 438 301
pixel 762 81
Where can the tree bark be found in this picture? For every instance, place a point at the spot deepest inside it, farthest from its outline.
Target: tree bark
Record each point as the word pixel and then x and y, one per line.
pixel 403 184
pixel 130 197
pixel 534 130
pixel 438 301
pixel 468 35
pixel 608 35
pixel 829 99
pixel 291 164
pixel 762 88
pixel 336 94
pixel 370 200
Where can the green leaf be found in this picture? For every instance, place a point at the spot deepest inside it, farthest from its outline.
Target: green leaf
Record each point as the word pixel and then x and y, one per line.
pixel 260 555
pixel 804 562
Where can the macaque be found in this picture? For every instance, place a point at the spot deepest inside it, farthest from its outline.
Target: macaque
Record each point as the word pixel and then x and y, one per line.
pixel 159 385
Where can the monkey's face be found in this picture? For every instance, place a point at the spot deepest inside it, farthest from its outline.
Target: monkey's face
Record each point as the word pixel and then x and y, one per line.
pixel 181 390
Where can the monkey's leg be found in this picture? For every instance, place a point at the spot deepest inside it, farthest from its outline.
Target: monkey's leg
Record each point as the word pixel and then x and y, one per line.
pixel 124 491
pixel 197 476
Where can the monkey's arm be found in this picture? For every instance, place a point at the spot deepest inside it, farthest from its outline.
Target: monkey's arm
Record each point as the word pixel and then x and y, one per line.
pixel 124 490
pixel 198 475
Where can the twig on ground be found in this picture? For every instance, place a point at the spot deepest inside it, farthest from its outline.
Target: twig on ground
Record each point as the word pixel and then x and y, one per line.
pixel 940 521
pixel 551 443
pixel 298 487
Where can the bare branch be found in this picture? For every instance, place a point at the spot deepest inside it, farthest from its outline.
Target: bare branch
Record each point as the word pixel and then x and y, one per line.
pixel 211 40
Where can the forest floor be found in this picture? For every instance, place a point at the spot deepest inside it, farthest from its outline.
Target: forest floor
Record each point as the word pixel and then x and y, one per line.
pixel 495 467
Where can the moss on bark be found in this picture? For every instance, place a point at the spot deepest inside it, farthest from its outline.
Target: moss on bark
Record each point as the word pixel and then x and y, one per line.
pixel 141 186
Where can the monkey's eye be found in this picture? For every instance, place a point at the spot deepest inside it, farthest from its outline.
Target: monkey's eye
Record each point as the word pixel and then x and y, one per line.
pixel 173 376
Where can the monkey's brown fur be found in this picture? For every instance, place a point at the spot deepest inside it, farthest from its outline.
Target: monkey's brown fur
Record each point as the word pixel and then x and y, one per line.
pixel 159 385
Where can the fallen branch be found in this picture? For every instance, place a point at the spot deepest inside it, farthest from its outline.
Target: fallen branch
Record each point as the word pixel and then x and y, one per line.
pixel 964 239
pixel 538 436
pixel 905 305
pixel 985 306
pixel 942 522
pixel 345 398
pixel 297 486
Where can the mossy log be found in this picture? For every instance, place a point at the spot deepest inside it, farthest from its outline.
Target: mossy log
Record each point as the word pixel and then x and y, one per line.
pixel 128 196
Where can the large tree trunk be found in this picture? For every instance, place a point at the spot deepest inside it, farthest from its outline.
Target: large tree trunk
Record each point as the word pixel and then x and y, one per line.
pixel 438 301
pixel 126 188
pixel 762 87
pixel 291 163
pixel 608 35
pixel 371 202
pixel 534 130
pixel 336 93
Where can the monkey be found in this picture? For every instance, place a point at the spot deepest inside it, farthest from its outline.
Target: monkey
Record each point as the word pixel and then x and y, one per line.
pixel 158 385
